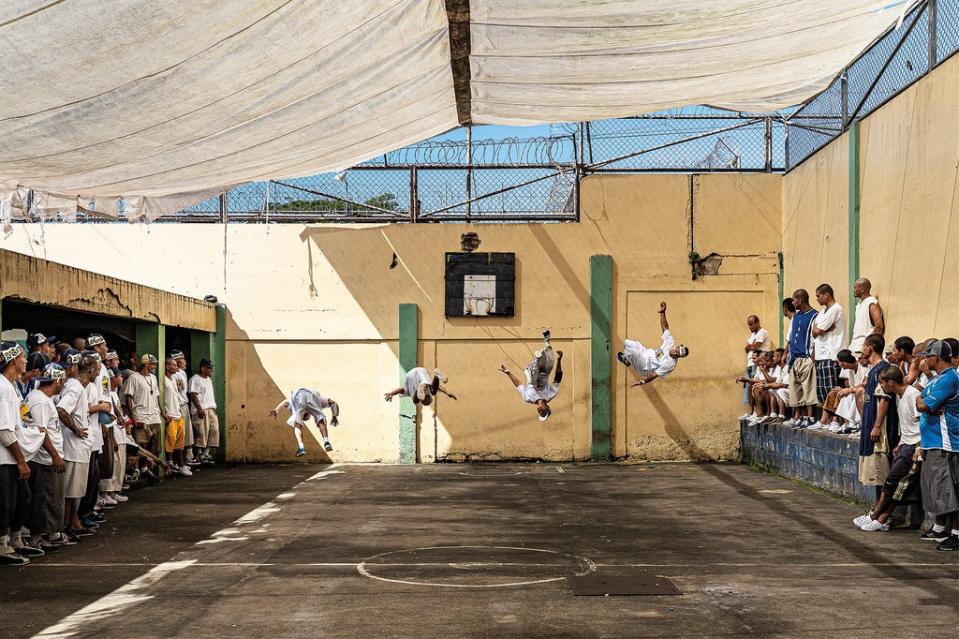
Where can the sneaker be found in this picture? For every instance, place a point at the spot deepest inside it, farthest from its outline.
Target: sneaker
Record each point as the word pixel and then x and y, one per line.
pixel 192 461
pixel 185 471
pixel 835 427
pixel 862 519
pixel 89 523
pixel 790 423
pixel 952 543
pixel 83 532
pixel 931 535
pixel 873 525
pixel 28 551
pixel 440 376
pixel 546 335
pixel 621 357
pixel 13 559
pixel 300 451
pixel 768 419
pixel 208 461
pixel 327 446
pixel 109 501
pixel 47 546
pixel 741 417
pixel 117 497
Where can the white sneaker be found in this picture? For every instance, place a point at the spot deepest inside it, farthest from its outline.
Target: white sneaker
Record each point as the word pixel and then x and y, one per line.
pixel 439 374
pixel 776 416
pixel 789 423
pixel 117 497
pixel 873 525
pixel 813 425
pixel 862 519
pixel 835 427
pixel 185 471
pixel 745 416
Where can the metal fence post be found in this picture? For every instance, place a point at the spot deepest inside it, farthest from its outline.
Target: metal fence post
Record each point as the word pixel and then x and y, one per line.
pixel 414 194
pixel 844 98
pixel 769 144
pixel 469 172
pixel 224 208
pixel 932 14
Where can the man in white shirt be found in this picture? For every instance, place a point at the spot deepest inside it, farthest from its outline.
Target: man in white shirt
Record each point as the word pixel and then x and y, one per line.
pixel 73 411
pixel 421 386
pixel 758 340
pixel 651 364
pixel 868 313
pixel 141 394
pixel 303 404
pixel 203 403
pixel 181 381
pixel 829 337
pixel 14 471
pixel 902 481
pixel 46 469
pixel 538 390
pixel 170 409
pixel 846 403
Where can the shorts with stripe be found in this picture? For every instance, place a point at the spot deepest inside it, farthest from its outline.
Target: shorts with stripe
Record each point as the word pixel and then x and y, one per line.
pixel 902 482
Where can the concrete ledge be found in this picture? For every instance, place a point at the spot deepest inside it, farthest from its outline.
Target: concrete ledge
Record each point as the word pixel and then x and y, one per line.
pixel 819 458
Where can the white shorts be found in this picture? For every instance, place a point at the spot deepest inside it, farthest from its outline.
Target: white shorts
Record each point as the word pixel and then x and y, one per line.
pixel 75 479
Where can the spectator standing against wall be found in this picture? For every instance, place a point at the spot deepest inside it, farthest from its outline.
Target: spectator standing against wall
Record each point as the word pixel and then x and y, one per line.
pixel 938 409
pixel 14 471
pixel 802 386
pixel 880 424
pixel 141 394
pixel 869 317
pixel 203 402
pixel 829 337
pixel 758 340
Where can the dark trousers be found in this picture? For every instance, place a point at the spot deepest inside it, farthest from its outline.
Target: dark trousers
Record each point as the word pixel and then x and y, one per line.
pixel 46 500
pixel 88 501
pixel 14 499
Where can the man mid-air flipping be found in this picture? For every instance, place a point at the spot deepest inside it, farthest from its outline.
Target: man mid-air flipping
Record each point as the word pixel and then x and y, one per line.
pixel 537 390
pixel 304 402
pixel 421 386
pixel 653 364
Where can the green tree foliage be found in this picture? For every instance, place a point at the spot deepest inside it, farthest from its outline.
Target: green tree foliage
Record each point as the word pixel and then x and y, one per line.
pixel 383 201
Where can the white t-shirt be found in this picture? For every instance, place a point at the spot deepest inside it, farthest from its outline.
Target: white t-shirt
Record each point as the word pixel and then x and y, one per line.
pixel 828 345
pixel 759 337
pixel 44 413
pixel 9 415
pixel 531 394
pixel 103 383
pixel 855 377
pixel 863 323
pixel 908 416
pixel 92 392
pixel 73 401
pixel 203 387
pixel 647 361
pixel 171 399
pixel 305 402
pixel 181 382
pixel 146 401
pixel 414 378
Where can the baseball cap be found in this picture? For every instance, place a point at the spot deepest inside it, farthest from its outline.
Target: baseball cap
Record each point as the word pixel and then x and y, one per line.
pixel 71 357
pixel 95 340
pixel 938 348
pixel 148 359
pixel 51 372
pixel 176 355
pixel 9 351
pixel 39 338
pixel 37 361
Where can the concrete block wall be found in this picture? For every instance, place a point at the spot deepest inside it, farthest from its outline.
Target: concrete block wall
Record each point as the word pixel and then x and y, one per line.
pixel 821 459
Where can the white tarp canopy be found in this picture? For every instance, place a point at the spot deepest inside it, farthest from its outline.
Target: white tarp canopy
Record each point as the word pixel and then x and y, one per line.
pixel 141 99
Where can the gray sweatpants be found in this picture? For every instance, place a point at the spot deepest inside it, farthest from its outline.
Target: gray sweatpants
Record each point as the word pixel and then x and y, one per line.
pixel 538 371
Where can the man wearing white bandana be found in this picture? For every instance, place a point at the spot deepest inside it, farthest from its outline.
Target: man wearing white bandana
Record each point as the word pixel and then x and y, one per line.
pixel 652 364
pixel 304 403
pixel 14 471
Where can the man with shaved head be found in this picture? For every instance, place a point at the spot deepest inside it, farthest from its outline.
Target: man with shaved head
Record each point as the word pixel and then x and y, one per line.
pixel 869 317
pixel 757 341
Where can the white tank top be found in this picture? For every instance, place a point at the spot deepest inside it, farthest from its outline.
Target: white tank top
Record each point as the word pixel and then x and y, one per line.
pixel 863 326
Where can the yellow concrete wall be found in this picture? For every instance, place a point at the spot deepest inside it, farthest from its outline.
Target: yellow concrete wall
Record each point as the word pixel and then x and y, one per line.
pixel 909 217
pixel 317 306
pixel 33 279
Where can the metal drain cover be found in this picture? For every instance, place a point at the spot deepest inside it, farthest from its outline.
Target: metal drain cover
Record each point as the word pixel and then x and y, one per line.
pixel 621 586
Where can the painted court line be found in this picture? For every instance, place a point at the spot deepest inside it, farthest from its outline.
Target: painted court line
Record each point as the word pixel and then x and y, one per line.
pixel 478 564
pixel 136 591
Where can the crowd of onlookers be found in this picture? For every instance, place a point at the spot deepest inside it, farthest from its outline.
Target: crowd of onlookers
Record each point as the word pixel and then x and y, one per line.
pixel 900 402
pixel 79 427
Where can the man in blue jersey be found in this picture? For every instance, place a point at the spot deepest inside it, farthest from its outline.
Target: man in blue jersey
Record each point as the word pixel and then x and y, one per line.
pixel 802 383
pixel 939 440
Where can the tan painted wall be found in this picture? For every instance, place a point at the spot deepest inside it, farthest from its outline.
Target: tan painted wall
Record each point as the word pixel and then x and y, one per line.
pixel 318 306
pixel 37 280
pixel 909 218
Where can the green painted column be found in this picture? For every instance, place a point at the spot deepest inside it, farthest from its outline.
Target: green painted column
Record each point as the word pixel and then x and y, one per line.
pixel 854 205
pixel 219 377
pixel 601 332
pixel 151 339
pixel 408 330
pixel 782 295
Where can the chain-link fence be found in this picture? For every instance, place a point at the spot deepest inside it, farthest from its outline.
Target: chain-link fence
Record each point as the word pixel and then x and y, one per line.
pixel 927 35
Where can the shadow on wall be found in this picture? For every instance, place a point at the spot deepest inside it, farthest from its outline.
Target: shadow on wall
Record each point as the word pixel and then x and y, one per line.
pixel 251 434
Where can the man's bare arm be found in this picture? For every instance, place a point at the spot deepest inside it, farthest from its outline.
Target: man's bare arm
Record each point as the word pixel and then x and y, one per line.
pixel 878 321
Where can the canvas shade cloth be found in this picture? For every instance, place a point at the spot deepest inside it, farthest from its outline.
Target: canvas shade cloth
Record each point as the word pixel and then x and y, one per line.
pixel 187 98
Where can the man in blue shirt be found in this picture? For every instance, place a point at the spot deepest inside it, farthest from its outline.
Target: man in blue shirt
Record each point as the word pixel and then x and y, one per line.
pixel 939 440
pixel 802 385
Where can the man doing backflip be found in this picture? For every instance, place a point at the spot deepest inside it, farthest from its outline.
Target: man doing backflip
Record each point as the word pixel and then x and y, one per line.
pixel 652 364
pixel 421 386
pixel 304 402
pixel 537 390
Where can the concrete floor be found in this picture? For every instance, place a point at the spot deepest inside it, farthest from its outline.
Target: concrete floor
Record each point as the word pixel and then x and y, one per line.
pixel 483 550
